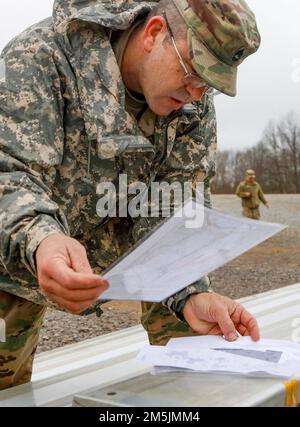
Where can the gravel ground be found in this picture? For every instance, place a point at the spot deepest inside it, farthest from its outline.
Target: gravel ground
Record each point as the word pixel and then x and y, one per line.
pixel 273 264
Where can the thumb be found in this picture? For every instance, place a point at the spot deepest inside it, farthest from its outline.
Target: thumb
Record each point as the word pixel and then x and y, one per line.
pixel 78 258
pixel 226 324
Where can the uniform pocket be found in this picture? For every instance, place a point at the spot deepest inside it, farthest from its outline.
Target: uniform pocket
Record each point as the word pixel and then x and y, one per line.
pixel 127 154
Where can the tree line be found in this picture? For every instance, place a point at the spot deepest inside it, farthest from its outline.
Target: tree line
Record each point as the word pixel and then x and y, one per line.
pixel 275 159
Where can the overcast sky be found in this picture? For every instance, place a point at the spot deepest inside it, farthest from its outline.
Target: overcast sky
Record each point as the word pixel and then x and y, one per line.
pixel 269 81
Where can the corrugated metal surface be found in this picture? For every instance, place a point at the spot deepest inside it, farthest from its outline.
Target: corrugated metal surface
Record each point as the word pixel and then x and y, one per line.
pixel 92 367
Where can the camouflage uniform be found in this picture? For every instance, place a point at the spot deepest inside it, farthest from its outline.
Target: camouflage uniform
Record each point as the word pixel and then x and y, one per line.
pixel 250 204
pixel 66 126
pixel 23 321
pixel 64 129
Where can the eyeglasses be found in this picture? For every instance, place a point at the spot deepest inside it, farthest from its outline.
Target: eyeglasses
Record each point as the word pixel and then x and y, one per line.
pixel 189 78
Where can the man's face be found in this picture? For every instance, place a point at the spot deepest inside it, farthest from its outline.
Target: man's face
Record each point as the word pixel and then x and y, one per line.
pixel 161 77
pixel 250 179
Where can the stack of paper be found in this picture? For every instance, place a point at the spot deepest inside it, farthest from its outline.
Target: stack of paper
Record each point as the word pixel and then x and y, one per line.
pixel 266 358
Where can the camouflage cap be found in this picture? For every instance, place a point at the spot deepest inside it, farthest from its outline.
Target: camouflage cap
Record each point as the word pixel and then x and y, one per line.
pixel 221 34
pixel 250 172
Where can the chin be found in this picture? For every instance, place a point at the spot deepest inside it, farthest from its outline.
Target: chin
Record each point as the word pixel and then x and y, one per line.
pixel 158 106
pixel 163 112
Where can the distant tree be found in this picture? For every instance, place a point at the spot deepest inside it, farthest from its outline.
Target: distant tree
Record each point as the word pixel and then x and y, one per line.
pixel 289 133
pixel 225 172
pixel 276 174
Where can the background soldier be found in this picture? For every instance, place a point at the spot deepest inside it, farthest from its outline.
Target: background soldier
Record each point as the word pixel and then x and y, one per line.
pixel 96 91
pixel 252 195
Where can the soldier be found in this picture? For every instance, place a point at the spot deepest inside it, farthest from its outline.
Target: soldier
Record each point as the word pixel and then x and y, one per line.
pixel 252 195
pixel 95 91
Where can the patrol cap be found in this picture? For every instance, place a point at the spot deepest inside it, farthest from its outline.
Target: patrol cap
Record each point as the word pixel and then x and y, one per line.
pixel 221 34
pixel 250 172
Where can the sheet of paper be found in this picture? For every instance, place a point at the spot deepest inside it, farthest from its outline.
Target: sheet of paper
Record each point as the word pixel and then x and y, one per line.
pixel 175 256
pixel 267 358
pixel 206 342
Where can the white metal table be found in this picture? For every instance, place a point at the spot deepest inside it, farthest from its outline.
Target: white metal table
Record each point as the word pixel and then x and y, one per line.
pixel 102 371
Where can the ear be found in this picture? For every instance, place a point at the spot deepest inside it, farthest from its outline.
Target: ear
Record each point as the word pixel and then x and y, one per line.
pixel 153 32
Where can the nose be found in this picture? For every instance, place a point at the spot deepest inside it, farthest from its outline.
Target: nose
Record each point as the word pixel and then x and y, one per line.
pixel 196 93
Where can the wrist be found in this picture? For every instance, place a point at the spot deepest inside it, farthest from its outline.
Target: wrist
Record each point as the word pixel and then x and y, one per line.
pixel 180 299
pixel 190 302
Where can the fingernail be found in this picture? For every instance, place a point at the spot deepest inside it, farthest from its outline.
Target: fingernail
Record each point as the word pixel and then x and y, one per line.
pixel 232 337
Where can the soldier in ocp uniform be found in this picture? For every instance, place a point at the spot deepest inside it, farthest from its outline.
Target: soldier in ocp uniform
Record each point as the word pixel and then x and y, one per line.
pixel 252 195
pixel 96 91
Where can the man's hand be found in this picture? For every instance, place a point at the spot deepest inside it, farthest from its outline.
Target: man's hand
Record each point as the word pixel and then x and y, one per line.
pixel 248 194
pixel 267 205
pixel 65 275
pixel 213 314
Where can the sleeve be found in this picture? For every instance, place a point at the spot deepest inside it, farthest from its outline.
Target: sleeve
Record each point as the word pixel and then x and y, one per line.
pixel 31 146
pixel 261 196
pixel 192 159
pixel 240 192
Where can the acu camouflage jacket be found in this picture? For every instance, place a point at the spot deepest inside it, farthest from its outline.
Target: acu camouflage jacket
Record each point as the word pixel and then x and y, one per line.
pixel 64 129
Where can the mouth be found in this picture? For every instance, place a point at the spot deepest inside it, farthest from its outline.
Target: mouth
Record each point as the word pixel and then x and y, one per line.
pixel 178 103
